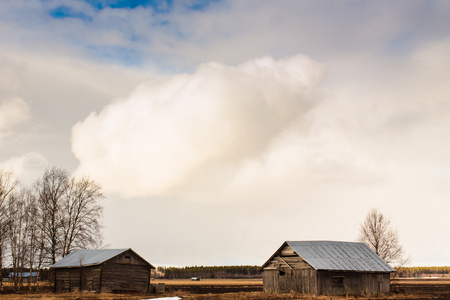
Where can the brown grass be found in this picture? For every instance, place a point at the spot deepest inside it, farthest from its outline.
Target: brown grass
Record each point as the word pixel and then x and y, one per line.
pixel 422 281
pixel 72 296
pixel 227 296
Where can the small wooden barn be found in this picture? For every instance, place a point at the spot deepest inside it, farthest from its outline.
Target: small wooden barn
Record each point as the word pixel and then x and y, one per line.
pixel 110 270
pixel 326 268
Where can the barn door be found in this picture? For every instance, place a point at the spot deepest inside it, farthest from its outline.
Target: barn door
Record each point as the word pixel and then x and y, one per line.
pixel 339 285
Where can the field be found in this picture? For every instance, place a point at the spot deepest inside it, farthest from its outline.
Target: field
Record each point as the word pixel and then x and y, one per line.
pixel 212 286
pixel 423 288
pixel 224 289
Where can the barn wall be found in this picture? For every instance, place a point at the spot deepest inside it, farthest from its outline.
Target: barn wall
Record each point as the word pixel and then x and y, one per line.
pixel 75 279
pixel 352 283
pixel 302 281
pixel 125 272
pixel 90 278
pixel 67 280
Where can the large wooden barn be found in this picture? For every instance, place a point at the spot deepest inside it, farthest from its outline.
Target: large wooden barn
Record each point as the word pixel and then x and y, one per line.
pixel 111 270
pixel 326 268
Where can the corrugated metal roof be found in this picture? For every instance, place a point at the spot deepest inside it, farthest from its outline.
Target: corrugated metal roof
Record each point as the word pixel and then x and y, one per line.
pixel 83 257
pixel 340 256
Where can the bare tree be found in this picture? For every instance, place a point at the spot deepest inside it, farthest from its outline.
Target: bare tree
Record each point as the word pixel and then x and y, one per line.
pixel 20 232
pixel 81 218
pixel 376 232
pixel 68 213
pixel 32 233
pixel 51 189
pixel 7 186
pixel 40 225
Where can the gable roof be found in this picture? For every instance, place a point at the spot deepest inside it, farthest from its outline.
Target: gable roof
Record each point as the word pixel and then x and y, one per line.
pixel 337 256
pixel 84 257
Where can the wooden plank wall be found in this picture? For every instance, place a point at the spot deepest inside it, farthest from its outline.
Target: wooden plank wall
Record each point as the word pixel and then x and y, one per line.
pixel 126 272
pixel 125 278
pixel 302 281
pixel 74 279
pixel 90 279
pixel 354 283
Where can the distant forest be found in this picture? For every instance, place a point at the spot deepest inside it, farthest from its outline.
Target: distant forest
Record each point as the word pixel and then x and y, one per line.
pixel 209 272
pixel 424 272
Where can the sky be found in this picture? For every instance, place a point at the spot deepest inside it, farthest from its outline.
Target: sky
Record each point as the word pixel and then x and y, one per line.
pixel 220 129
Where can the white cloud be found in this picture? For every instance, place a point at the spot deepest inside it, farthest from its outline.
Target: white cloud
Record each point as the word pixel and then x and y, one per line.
pixel 171 133
pixel 43 95
pixel 27 168
pixel 13 111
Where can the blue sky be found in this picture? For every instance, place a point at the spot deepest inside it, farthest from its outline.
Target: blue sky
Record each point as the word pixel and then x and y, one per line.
pixel 158 7
pixel 229 118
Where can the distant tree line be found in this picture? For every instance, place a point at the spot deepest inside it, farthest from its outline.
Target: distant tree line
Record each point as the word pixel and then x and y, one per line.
pixel 424 271
pixel 210 272
pixel 43 223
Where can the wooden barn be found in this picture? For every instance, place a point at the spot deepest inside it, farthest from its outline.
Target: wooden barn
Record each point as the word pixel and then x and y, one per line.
pixel 326 268
pixel 111 270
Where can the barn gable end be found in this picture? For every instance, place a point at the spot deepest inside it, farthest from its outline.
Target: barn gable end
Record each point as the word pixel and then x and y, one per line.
pixel 286 258
pixel 125 272
pixel 286 271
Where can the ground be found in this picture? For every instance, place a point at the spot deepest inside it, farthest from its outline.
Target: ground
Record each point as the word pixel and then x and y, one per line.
pixel 237 289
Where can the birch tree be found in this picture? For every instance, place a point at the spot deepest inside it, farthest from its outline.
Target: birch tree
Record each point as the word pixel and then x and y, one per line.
pixel 19 226
pixel 7 186
pixel 69 213
pixel 81 218
pixel 51 190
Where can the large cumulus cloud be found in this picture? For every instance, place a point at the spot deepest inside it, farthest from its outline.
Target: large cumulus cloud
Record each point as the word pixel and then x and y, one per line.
pixel 171 133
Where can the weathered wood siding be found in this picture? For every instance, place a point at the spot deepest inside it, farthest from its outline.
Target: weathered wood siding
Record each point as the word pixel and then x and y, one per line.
pixel 288 272
pixel 125 272
pixel 287 258
pixel 303 281
pixel 91 278
pixel 352 283
pixel 75 279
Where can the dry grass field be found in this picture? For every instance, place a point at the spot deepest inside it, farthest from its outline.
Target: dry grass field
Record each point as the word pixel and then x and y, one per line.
pixel 246 289
pixel 170 282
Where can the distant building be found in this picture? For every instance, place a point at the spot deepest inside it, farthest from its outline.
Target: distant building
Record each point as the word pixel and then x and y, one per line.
pixel 111 270
pixel 24 277
pixel 326 268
